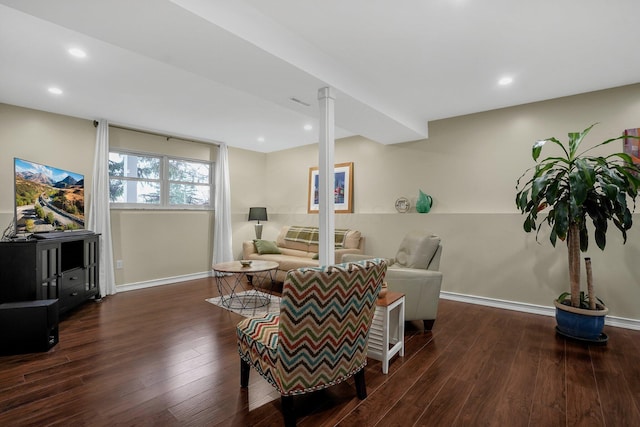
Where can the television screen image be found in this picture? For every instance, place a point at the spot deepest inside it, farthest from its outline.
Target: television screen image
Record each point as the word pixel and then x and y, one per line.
pixel 47 198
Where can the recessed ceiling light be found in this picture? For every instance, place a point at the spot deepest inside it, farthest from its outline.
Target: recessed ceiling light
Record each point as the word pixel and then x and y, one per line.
pixel 78 53
pixel 55 91
pixel 505 81
pixel 261 139
pixel 308 127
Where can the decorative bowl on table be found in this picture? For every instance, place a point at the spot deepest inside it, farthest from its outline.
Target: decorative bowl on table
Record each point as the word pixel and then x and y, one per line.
pixel 245 262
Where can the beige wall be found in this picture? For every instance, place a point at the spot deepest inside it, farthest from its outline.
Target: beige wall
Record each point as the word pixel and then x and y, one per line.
pixel 249 178
pixel 161 244
pixel 153 245
pixel 470 165
pixel 51 139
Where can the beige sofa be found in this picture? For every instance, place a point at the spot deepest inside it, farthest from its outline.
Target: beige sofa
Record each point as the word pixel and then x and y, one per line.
pixel 298 247
pixel 414 272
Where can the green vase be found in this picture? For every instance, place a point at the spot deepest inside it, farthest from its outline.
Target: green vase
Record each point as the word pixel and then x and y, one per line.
pixel 423 205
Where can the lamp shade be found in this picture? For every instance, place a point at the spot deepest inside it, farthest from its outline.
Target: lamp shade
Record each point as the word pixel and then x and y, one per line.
pixel 258 214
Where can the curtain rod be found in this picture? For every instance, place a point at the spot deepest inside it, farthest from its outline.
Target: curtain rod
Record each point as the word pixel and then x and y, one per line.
pixel 168 137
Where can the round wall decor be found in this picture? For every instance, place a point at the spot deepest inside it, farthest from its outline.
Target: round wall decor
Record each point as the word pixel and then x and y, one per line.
pixel 402 204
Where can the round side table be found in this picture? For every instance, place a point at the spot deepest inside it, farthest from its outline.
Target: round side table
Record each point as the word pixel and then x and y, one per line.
pixel 232 276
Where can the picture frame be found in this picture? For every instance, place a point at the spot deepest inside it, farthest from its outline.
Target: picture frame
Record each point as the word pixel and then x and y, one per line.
pixel 343 191
pixel 631 145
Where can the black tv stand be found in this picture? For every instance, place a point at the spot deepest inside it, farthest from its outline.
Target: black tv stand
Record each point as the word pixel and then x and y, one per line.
pixel 63 266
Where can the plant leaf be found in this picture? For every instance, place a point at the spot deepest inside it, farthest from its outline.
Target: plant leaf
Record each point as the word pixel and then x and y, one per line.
pixel 575 139
pixel 586 170
pixel 537 148
pixel 561 219
pixel 601 238
pixel 578 188
pixel 538 185
pixel 584 239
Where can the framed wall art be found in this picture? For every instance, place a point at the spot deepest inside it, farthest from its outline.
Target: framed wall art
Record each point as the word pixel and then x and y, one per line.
pixel 631 146
pixel 343 191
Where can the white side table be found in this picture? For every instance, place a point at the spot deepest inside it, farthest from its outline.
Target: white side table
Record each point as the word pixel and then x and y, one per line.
pixel 386 336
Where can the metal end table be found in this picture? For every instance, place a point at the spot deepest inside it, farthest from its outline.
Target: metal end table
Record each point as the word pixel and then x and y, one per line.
pixel 231 278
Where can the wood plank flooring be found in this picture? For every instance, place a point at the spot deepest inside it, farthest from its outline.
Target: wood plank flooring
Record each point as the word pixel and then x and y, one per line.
pixel 165 357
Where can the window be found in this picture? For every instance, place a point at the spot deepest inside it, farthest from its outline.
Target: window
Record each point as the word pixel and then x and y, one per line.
pixel 154 181
pixel 189 182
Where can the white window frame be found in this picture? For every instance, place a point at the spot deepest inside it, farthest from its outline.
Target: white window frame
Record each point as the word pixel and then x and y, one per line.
pixel 164 183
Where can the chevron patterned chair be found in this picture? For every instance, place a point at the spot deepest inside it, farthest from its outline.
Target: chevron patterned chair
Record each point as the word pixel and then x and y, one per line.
pixel 319 339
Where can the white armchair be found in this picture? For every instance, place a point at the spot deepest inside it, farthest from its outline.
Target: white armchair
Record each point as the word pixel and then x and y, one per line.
pixel 414 272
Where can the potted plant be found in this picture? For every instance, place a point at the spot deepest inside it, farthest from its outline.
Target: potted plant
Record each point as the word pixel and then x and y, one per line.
pixel 565 191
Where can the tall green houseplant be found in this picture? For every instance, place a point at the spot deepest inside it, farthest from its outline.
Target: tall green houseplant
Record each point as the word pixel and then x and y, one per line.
pixel 567 190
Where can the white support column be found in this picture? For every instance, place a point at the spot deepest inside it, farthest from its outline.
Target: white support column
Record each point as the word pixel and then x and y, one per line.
pixel 326 177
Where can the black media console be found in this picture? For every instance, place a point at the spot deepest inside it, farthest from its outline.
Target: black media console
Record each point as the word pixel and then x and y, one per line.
pixel 64 267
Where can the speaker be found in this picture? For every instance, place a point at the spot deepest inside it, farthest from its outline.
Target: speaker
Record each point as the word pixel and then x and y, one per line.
pixel 28 326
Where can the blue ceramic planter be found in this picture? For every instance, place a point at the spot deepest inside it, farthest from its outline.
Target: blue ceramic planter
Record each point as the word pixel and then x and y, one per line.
pixel 580 323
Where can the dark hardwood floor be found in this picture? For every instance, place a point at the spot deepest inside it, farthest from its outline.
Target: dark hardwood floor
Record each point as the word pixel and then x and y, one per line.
pixel 165 357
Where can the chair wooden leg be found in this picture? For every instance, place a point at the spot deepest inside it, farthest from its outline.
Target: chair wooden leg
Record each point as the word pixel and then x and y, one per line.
pixel 428 324
pixel 244 373
pixel 288 411
pixel 361 388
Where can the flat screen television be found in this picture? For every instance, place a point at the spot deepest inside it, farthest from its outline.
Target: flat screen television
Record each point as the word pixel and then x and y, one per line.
pixel 47 198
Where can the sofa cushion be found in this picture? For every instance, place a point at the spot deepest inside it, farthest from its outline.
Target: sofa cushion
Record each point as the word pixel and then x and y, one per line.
pixel 416 250
pixel 306 235
pixel 306 238
pixel 266 247
pixel 294 254
pixel 352 239
pixel 290 244
pixel 287 263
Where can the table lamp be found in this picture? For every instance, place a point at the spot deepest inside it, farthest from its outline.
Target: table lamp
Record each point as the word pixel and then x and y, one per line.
pixel 258 214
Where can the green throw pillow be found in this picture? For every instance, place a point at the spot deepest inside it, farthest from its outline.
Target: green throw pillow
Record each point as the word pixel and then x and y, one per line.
pixel 266 247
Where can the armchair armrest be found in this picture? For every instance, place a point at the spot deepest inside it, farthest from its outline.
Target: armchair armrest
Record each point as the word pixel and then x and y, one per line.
pixel 340 255
pixel 421 289
pixel 351 257
pixel 415 276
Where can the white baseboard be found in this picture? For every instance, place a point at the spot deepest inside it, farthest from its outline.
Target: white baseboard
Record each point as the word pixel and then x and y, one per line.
pixel 163 281
pixel 620 322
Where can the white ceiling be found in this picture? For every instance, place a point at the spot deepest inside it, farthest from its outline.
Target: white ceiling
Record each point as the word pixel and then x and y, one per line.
pixel 226 70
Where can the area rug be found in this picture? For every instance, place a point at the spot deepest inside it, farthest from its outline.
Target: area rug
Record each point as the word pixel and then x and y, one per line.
pixel 272 307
